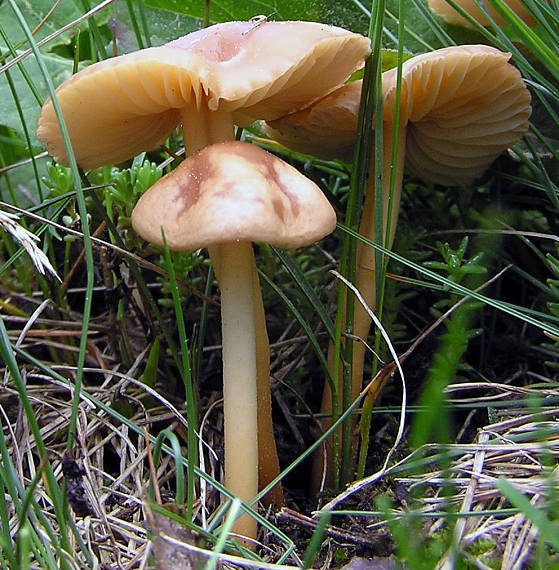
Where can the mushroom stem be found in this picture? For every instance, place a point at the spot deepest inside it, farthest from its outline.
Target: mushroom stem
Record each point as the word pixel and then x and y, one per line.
pixel 205 127
pixel 268 462
pixel 239 377
pixel 365 277
pixel 201 129
pixel 365 283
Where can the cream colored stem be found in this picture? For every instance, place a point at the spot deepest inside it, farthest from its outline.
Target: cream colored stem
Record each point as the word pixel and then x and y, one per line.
pixel 202 128
pixel 365 280
pixel 268 463
pixel 239 377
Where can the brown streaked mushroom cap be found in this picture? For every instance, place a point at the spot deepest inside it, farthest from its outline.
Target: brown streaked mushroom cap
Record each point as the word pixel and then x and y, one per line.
pixel 463 105
pixel 327 129
pixel 233 192
pixel 119 107
pixel 447 12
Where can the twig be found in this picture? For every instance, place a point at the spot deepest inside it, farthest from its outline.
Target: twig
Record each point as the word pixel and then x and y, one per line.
pixel 67 279
pixel 152 470
pixel 23 162
pixel 310 524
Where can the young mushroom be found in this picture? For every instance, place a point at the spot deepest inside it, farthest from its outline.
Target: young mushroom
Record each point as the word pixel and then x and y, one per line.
pixel 226 196
pixel 460 107
pixel 205 82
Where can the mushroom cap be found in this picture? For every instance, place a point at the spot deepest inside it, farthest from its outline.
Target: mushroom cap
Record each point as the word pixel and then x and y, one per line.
pixel 233 191
pixel 464 105
pixel 119 107
pixel 326 129
pixel 443 9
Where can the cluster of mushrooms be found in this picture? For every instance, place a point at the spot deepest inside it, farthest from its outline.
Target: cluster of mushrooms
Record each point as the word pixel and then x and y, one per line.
pixel 460 108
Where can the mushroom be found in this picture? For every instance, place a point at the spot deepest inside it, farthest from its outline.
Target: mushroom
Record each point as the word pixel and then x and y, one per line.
pixel 460 107
pixel 472 7
pixel 226 196
pixel 207 82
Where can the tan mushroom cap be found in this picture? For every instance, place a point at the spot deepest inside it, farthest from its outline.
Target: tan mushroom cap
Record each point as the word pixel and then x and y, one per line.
pixel 233 192
pixel 463 105
pixel 447 12
pixel 326 129
pixel 119 107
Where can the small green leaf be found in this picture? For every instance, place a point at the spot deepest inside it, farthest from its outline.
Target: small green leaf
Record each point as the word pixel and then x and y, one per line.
pixel 150 371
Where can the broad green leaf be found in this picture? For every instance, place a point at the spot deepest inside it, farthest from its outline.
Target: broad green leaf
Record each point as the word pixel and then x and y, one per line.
pixel 59 68
pixel 163 26
pixel 35 11
pixel 343 13
pixel 425 31
pixel 390 59
pixel 23 183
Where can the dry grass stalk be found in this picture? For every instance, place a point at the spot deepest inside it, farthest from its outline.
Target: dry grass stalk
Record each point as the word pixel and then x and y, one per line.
pixel 111 458
pixel 463 477
pixel 513 449
pixel 28 241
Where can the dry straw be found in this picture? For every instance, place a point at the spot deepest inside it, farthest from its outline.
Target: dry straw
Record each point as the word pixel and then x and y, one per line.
pixel 28 241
